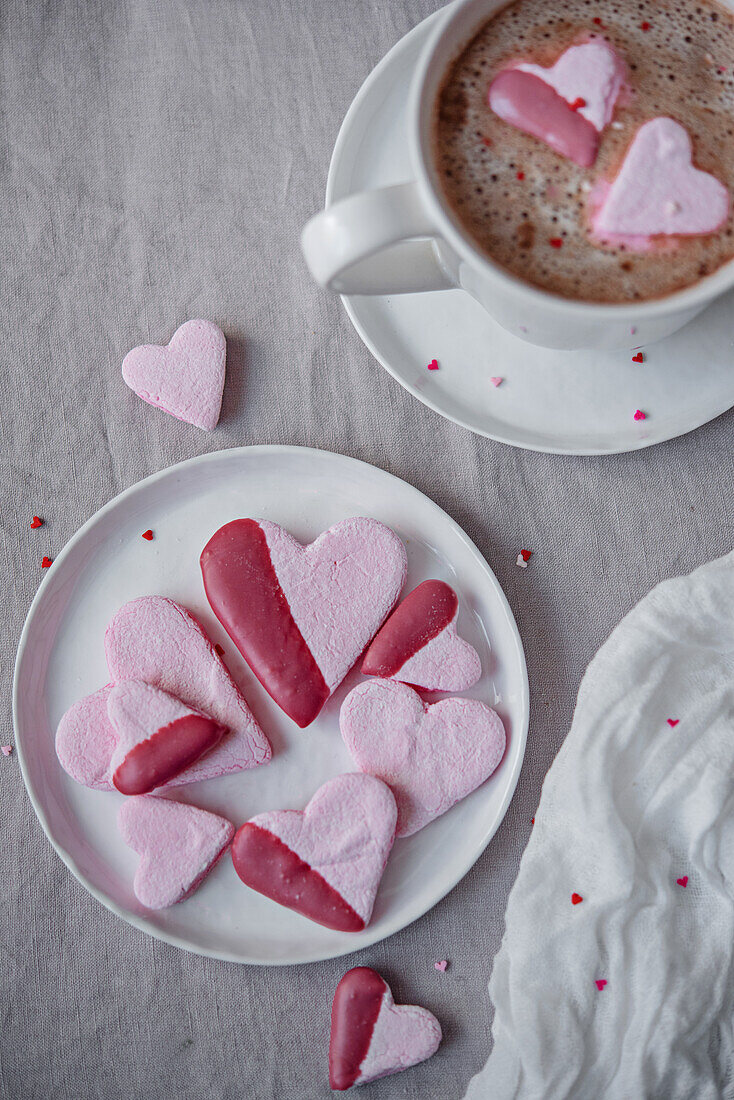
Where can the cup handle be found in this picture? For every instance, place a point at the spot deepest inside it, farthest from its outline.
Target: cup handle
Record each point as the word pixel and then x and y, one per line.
pixel 363 245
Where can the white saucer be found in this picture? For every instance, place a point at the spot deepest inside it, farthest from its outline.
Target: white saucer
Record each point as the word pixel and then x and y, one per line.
pixel 61 658
pixel 557 401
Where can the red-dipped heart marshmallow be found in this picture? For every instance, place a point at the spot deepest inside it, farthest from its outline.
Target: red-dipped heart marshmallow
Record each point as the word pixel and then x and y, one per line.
pixel 371 1036
pixel 419 645
pixel 301 616
pixel 158 736
pixel 431 756
pixel 326 862
pixel 179 845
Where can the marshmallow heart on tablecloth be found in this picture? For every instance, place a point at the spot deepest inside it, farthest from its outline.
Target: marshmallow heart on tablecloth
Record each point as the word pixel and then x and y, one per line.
pixel 179 844
pixel 158 737
pixel 326 862
pixel 658 190
pixel 419 645
pixel 186 377
pixel 371 1036
pixel 301 616
pixel 567 105
pixel 158 641
pixel 430 755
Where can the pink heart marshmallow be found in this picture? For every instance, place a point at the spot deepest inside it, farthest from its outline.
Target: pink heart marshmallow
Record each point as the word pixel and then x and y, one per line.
pixel 418 644
pixel 371 1036
pixel 186 377
pixel 430 755
pixel 658 191
pixel 178 844
pixel 302 615
pixel 326 862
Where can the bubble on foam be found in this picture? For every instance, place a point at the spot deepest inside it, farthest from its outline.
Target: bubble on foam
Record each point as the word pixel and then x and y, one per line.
pixel 479 156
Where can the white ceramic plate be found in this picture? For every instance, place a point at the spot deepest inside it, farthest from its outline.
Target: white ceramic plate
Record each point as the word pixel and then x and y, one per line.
pixel 557 401
pixel 61 658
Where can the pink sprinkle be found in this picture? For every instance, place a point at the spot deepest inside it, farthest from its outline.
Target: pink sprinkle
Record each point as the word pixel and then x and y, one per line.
pixel 6 749
pixel 441 965
pixel 496 382
pixel 633 330
pixel 682 881
pixel 640 415
pixel 433 365
pixel 673 722
pixel 600 983
pixel 722 69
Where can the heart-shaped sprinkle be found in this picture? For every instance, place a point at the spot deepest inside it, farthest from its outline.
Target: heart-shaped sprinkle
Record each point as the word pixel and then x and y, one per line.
pixel 673 722
pixel 433 365
pixel 327 861
pixel 556 242
pixel 36 522
pixel 419 645
pixel 682 881
pixel 179 844
pixel 521 562
pixel 496 382
pixel 434 755
pixel 45 562
pixel 639 358
pixel 371 1036
pixel 147 535
pixel 6 749
pixel 658 191
pixel 640 415
pixel 185 378
pixel 576 899
pixel 600 983
pixel 526 555
pixel 441 965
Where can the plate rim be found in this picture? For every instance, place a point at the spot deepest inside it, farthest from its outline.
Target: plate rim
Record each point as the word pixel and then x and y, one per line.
pixel 630 446
pixel 520 733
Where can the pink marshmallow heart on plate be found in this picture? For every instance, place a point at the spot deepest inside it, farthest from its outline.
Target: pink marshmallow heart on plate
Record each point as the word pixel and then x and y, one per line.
pixel 158 737
pixel 566 106
pixel 659 191
pixel 186 377
pixel 302 615
pixel 419 645
pixel 371 1036
pixel 430 755
pixel 178 844
pixel 326 862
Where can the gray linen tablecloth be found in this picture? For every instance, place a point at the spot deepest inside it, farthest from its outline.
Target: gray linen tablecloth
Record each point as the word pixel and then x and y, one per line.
pixel 160 158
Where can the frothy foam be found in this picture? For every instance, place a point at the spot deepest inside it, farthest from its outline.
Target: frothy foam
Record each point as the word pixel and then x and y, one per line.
pixel 527 207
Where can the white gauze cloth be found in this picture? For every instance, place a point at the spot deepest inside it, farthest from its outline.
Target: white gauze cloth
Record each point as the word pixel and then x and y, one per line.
pixel 631 805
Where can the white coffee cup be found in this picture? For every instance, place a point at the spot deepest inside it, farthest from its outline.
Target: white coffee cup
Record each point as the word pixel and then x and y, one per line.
pixel 404 238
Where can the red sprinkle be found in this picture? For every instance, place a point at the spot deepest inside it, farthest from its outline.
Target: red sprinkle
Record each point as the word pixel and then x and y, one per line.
pixel 219 649
pixel 433 365
pixel 526 555
pixel 45 562
pixel 640 415
pixel 639 358
pixel 36 522
pixel 578 102
pixel 598 22
pixel 576 899
pixel 521 175
pixel 147 535
pixel 682 881
pixel 600 983
pixel 556 242
pixel 645 26
pixel 673 722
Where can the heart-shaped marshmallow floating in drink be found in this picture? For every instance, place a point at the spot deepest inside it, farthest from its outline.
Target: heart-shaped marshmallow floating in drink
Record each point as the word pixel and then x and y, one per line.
pixel 418 643
pixel 158 736
pixel 371 1036
pixel 431 755
pixel 301 616
pixel 567 105
pixel 658 190
pixel 186 377
pixel 179 845
pixel 326 862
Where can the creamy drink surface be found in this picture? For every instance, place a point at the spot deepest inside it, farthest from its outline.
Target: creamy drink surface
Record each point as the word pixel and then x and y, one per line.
pixel 513 195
